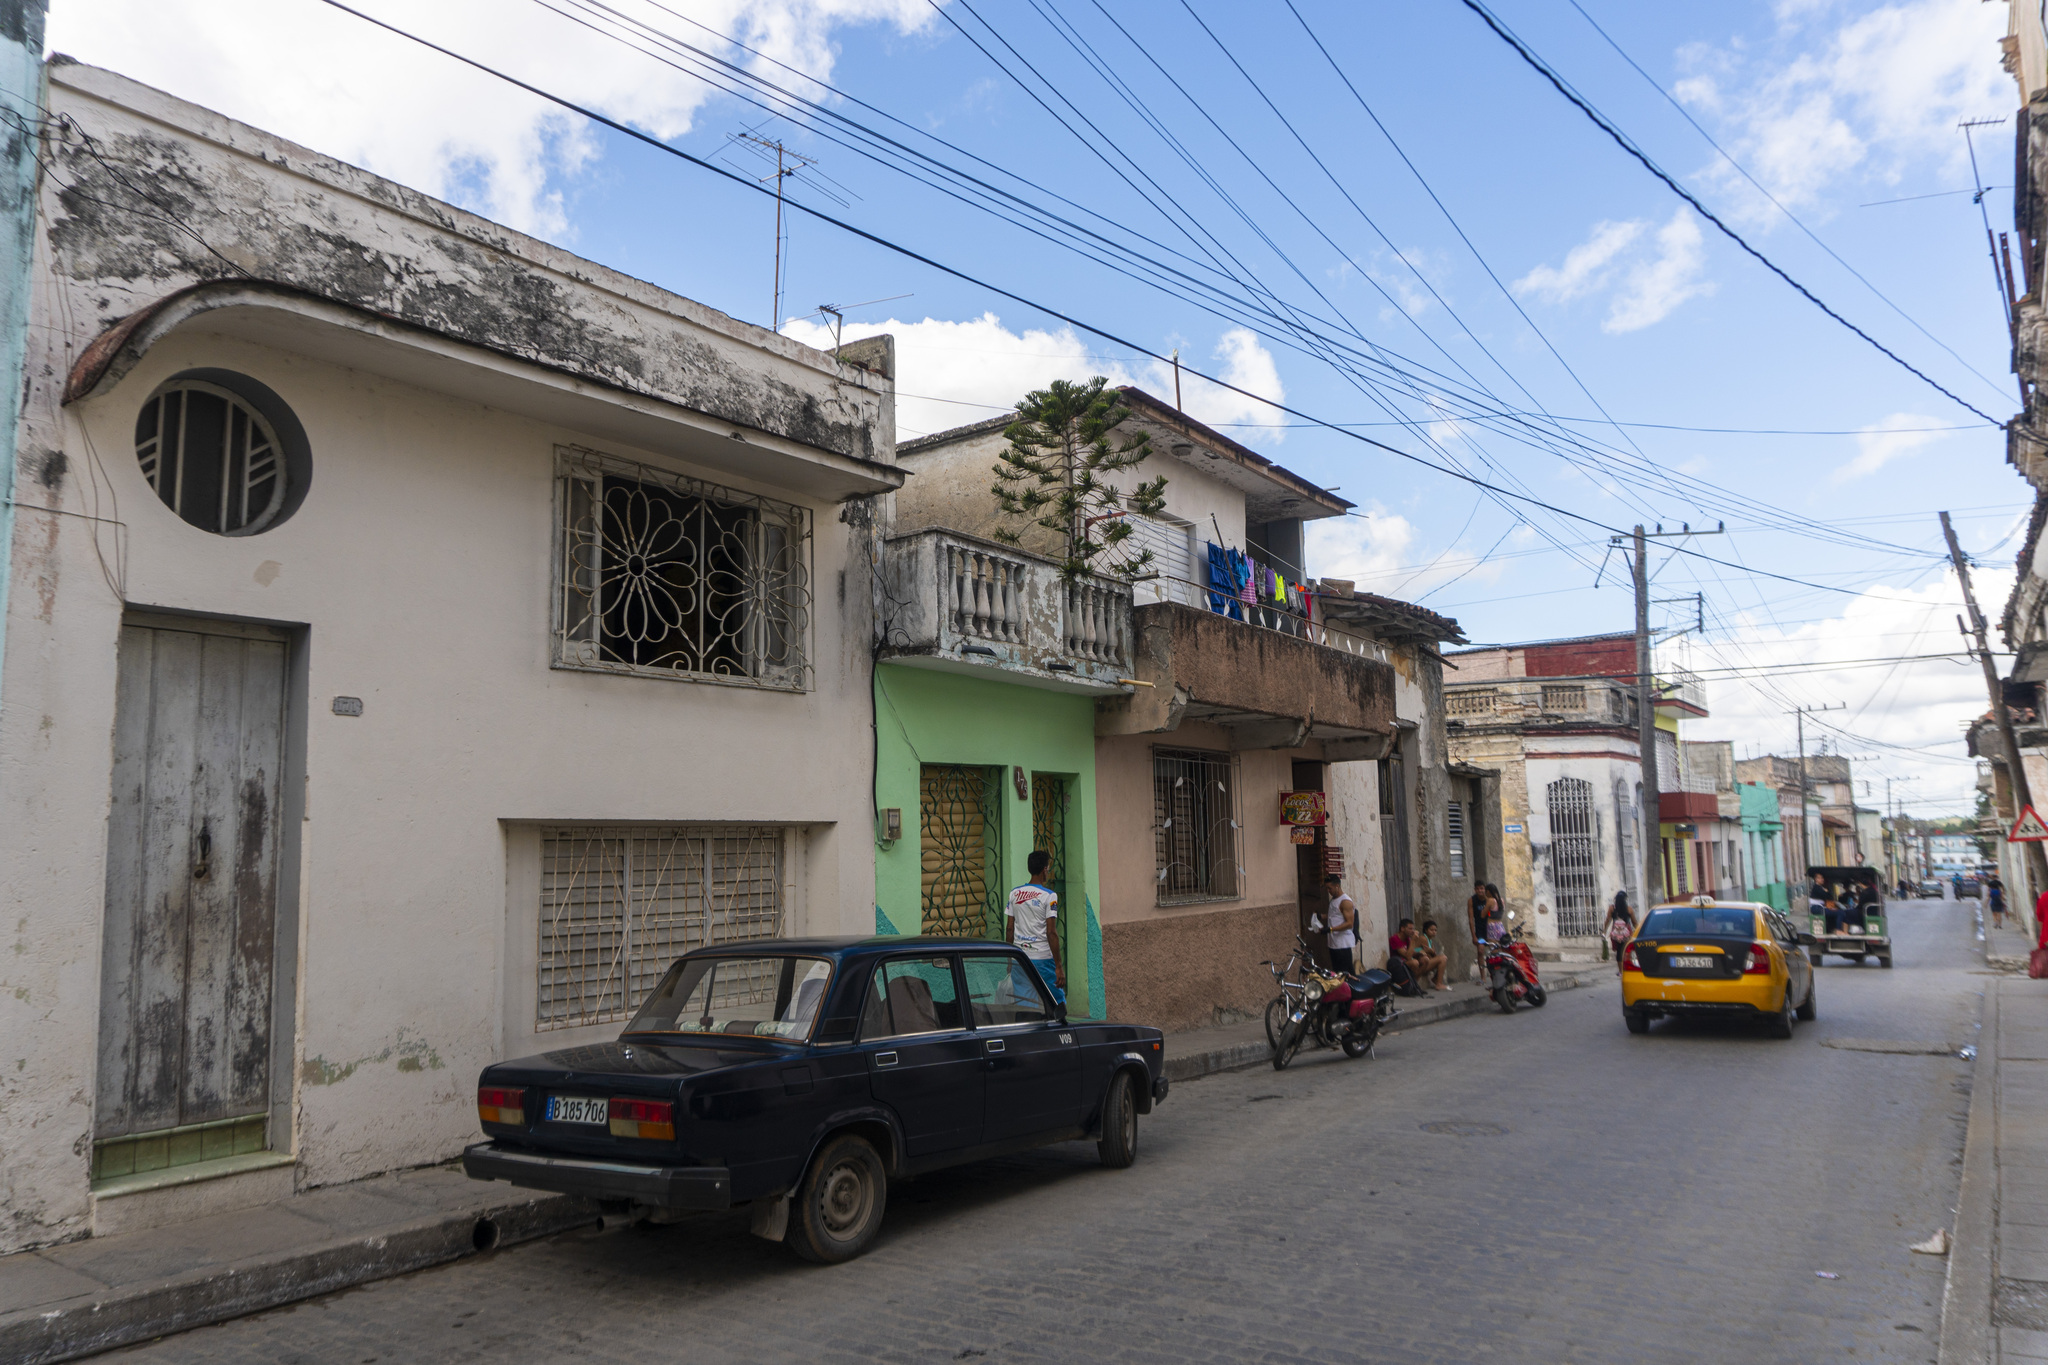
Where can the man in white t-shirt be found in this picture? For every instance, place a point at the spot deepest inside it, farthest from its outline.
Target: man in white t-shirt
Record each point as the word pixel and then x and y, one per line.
pixel 1032 923
pixel 1342 923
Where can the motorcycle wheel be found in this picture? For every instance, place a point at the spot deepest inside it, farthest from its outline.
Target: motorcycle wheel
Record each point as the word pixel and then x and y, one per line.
pixel 1537 995
pixel 1289 1044
pixel 1358 1041
pixel 1504 996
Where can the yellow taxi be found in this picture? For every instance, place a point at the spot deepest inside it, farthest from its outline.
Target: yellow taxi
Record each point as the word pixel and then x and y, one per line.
pixel 1739 959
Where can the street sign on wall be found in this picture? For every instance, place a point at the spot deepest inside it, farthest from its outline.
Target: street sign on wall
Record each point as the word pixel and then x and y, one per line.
pixel 2028 829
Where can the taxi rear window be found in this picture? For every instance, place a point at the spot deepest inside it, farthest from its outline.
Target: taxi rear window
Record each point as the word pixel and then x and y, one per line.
pixel 1726 921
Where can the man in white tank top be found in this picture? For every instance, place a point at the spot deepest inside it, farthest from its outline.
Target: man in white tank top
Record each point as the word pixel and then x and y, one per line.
pixel 1343 924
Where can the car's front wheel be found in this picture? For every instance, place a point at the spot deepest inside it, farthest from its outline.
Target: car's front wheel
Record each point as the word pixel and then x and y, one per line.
pixel 838 1207
pixel 1118 1146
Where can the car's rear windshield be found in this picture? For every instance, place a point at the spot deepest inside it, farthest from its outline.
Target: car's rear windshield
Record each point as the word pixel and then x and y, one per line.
pixel 1727 921
pixel 751 997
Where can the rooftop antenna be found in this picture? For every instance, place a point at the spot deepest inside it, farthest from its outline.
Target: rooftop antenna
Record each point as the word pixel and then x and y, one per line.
pixel 783 170
pixel 838 311
pixel 1999 277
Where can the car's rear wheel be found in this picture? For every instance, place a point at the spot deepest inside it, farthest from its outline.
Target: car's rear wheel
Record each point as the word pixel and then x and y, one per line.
pixel 1638 1021
pixel 1781 1022
pixel 1118 1146
pixel 1809 1009
pixel 1813 958
pixel 1885 962
pixel 838 1207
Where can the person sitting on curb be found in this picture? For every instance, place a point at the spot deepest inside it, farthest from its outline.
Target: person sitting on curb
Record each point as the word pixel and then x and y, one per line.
pixel 1432 956
pixel 1401 960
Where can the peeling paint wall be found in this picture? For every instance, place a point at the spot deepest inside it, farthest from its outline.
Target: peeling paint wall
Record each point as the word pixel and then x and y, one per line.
pixel 417 577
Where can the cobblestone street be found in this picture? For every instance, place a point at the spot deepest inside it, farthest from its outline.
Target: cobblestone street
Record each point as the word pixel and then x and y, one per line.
pixel 1536 1188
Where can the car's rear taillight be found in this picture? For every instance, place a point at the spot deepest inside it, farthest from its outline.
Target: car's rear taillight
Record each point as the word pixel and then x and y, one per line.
pixel 496 1105
pixel 1628 958
pixel 1759 960
pixel 644 1119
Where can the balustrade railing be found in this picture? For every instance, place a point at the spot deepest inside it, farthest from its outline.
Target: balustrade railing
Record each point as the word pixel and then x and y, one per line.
pixel 1096 619
pixel 984 593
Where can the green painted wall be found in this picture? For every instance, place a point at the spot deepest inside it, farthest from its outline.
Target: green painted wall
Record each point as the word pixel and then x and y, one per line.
pixel 1761 827
pixel 925 716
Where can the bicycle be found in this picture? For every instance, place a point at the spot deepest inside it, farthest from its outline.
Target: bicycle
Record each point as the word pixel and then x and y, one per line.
pixel 1282 1005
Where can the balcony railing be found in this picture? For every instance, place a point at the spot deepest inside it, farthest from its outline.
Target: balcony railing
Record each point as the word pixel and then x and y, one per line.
pixel 969 601
pixel 1582 700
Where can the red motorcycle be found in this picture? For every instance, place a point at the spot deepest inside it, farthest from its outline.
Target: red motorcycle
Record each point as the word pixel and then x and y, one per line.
pixel 1511 971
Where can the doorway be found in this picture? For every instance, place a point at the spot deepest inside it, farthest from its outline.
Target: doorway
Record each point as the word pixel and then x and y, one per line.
pixel 1308 858
pixel 189 975
pixel 957 823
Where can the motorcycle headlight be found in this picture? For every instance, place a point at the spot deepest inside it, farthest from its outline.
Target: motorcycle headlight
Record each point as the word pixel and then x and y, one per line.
pixel 1315 991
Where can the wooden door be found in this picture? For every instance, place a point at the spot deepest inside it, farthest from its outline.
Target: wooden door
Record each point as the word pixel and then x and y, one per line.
pixel 191 897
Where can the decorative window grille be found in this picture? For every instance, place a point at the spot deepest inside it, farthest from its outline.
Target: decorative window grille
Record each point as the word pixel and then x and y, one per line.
pixel 957 832
pixel 1574 856
pixel 1470 701
pixel 212 458
pixel 1194 818
pixel 667 576
pixel 617 906
pixel 1454 828
pixel 1564 696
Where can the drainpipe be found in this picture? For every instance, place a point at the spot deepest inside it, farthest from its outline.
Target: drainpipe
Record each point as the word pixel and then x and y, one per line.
pixel 21 95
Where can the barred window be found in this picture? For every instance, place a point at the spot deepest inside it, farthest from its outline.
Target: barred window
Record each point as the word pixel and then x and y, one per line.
pixel 1564 696
pixel 1194 817
pixel 1469 701
pixel 617 906
pixel 667 576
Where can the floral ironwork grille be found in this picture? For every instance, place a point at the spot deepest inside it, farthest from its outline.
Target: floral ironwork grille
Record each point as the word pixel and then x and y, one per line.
pixel 1194 810
pixel 957 831
pixel 1049 797
pixel 668 576
pixel 617 906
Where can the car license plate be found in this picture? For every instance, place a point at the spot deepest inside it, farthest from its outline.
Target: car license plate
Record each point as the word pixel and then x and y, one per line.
pixel 1692 962
pixel 577 1109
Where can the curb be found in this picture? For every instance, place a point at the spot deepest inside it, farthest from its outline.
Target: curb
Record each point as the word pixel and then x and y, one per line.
pixel 1194 1065
pixel 1966 1299
pixel 179 1302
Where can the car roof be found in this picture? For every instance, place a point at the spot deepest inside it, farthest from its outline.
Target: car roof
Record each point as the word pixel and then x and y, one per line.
pixel 848 947
pixel 1695 903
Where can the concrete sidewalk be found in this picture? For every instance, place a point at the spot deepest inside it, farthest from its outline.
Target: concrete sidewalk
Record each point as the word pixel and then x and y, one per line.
pixel 82 1297
pixel 1995 1308
pixel 1202 1052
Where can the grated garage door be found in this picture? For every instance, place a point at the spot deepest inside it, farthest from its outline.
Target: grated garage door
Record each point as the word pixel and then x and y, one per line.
pixel 956 839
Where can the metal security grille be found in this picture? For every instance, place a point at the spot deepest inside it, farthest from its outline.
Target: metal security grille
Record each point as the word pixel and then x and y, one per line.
pixel 1049 828
pixel 957 844
pixel 1454 829
pixel 672 577
pixel 1194 816
pixel 1574 856
pixel 617 906
pixel 211 458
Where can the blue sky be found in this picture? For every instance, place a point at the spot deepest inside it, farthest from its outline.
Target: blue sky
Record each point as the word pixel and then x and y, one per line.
pixel 1661 321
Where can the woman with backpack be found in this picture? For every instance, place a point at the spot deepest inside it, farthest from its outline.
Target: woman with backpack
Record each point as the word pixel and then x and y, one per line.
pixel 1621 926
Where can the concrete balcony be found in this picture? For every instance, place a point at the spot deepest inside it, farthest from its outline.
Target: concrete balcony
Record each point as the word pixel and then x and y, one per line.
pixel 1270 688
pixel 966 605
pixel 1682 691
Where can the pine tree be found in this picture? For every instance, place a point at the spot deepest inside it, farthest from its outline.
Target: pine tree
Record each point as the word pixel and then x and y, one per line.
pixel 1054 475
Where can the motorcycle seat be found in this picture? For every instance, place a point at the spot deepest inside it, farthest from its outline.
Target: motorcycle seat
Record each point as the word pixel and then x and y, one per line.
pixel 1371 979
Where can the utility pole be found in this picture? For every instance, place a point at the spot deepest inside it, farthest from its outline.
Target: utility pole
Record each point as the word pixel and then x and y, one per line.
pixel 1646 708
pixel 2015 766
pixel 1805 784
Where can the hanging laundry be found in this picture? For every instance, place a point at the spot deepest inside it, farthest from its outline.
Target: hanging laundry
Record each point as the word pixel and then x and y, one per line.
pixel 1224 582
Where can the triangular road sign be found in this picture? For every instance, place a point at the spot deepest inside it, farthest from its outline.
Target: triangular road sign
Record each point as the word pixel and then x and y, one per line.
pixel 2029 828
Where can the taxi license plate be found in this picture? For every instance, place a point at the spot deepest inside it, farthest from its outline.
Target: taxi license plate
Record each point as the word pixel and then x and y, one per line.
pixel 1692 962
pixel 577 1109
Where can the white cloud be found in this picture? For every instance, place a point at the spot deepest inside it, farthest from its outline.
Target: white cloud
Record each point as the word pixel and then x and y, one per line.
pixel 340 86
pixel 1650 276
pixel 1878 444
pixel 1585 265
pixel 1654 287
pixel 949 374
pixel 1880 92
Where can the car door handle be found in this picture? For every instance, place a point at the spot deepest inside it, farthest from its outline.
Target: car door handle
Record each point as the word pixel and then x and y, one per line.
pixel 994 1045
pixel 885 1059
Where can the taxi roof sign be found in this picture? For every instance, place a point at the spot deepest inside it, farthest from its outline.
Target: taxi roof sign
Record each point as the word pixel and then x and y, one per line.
pixel 2029 828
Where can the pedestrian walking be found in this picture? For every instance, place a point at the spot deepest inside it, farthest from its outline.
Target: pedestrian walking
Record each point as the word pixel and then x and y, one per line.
pixel 1994 891
pixel 1621 926
pixel 1342 921
pixel 1032 923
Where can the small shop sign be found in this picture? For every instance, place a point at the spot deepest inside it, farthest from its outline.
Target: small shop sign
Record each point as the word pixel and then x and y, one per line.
pixel 1304 808
pixel 1302 834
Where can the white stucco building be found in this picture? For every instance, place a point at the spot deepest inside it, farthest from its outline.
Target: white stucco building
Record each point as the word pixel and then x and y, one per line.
pixel 416 636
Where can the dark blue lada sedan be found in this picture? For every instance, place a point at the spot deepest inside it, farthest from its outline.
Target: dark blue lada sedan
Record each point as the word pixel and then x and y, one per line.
pixel 799 1075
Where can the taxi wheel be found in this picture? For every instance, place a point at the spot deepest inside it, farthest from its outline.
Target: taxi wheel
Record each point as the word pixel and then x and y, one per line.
pixel 1809 1009
pixel 1119 1145
pixel 1781 1022
pixel 1637 1021
pixel 838 1208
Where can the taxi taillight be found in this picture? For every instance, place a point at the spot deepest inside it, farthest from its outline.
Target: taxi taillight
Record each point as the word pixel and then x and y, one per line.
pixel 496 1105
pixel 644 1119
pixel 1759 960
pixel 1628 958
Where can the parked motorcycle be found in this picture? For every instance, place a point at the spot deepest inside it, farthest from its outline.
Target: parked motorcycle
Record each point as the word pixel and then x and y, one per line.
pixel 1332 1009
pixel 1511 971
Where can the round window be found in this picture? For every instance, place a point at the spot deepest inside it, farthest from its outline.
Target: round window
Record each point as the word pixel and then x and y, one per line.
pixel 214 458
